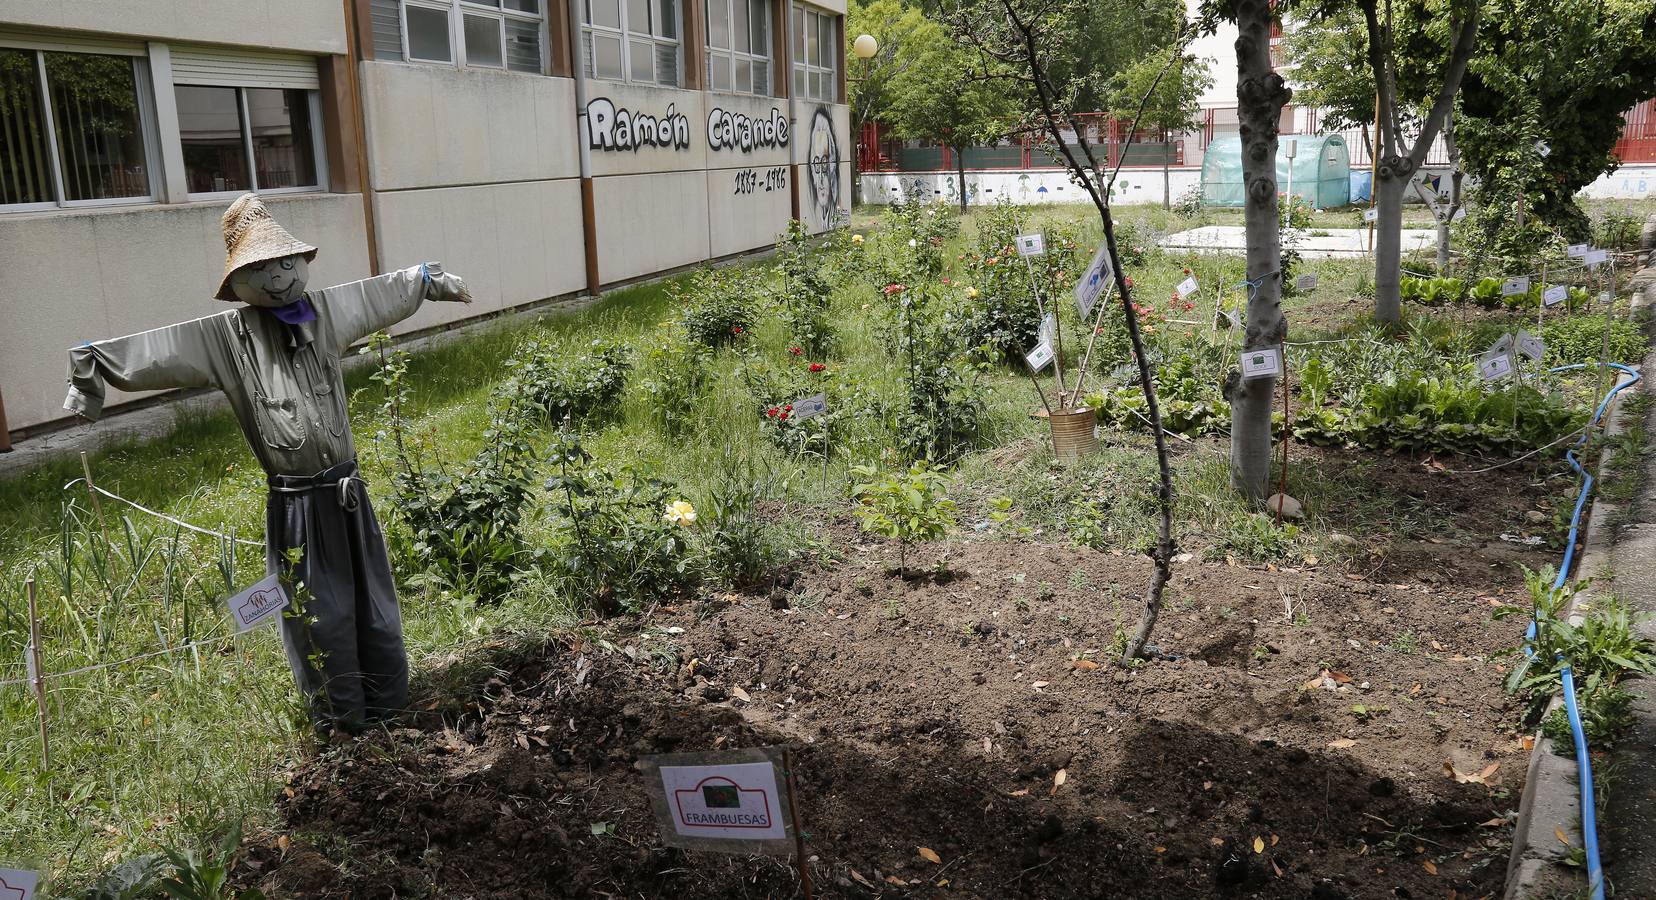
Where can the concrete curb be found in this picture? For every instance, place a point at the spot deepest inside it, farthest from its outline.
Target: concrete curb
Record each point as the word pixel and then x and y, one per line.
pixel 1551 803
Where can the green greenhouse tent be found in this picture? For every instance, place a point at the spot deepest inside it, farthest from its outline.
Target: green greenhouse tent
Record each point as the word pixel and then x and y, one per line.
pixel 1322 170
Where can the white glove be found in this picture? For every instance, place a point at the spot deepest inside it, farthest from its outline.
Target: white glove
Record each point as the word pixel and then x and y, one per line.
pixel 443 286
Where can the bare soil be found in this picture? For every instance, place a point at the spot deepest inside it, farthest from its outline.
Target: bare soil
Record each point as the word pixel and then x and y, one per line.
pixel 1298 739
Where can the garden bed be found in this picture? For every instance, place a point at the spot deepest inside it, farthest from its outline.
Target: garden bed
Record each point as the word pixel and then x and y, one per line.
pixel 937 712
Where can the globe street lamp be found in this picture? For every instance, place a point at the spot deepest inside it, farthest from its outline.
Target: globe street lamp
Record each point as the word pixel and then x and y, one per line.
pixel 865 46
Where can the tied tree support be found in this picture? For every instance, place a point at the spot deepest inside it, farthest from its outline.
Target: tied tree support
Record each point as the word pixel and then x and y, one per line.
pixel 1260 94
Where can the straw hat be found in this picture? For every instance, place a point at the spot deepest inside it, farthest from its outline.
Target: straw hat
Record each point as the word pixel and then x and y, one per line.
pixel 251 236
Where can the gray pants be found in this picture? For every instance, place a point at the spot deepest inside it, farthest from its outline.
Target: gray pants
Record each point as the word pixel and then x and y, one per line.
pixel 343 633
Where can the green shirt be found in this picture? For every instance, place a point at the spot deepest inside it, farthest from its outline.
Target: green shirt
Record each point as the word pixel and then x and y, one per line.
pixel 283 381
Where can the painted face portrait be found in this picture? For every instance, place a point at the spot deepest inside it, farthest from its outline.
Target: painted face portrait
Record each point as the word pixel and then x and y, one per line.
pixel 823 169
pixel 271 284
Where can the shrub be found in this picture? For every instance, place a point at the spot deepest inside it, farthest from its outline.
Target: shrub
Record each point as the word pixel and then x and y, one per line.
pixel 1189 203
pixel 741 548
pixel 803 296
pixel 675 378
pixel 558 388
pixel 1617 231
pixel 1580 338
pixel 909 506
pixel 1001 311
pixel 620 538
pixel 718 307
pixel 919 234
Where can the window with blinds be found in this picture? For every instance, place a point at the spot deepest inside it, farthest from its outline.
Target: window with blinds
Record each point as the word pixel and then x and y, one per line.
pixel 739 46
pixel 631 40
pixel 247 120
pixel 487 34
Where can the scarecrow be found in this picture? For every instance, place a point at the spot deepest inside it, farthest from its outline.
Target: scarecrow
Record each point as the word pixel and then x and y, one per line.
pixel 277 359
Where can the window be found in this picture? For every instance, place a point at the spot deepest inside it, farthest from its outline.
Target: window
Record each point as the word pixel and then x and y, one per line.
pixel 489 34
pixel 738 46
pixel 248 139
pixel 75 128
pixel 816 53
pixel 631 40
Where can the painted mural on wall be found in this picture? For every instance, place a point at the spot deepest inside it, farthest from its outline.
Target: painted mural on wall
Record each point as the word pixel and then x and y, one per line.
pixel 822 171
pixel 618 128
pixel 728 130
pixel 752 181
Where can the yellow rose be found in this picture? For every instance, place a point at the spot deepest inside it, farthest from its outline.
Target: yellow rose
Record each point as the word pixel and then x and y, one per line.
pixel 856 238
pixel 680 513
pixel 971 292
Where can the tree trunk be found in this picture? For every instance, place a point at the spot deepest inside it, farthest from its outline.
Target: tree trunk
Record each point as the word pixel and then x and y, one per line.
pixel 1260 95
pixel 960 172
pixel 1388 241
pixel 1447 219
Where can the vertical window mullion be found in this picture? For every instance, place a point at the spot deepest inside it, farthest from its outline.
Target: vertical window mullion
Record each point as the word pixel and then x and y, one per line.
pixel 50 123
pixel 457 34
pixel 247 139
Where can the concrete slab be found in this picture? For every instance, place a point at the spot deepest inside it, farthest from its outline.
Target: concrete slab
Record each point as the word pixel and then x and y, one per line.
pixel 1324 244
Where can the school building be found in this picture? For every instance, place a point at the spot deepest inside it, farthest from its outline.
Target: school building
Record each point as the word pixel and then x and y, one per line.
pixel 538 148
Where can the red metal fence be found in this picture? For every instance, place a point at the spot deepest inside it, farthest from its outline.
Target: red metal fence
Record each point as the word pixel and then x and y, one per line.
pixel 1638 138
pixel 1108 137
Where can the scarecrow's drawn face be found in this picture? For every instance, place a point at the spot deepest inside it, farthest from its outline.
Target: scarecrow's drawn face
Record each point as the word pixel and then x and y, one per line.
pixel 272 283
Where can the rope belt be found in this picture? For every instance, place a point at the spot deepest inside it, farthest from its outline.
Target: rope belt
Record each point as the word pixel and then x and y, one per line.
pixel 343 477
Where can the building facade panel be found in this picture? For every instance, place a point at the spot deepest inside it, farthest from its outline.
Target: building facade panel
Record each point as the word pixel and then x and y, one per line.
pixel 650 223
pixel 314 26
pixel 635 129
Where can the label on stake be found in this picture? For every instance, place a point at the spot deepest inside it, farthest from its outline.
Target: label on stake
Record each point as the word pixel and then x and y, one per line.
pixel 1517 285
pixel 1091 285
pixel 1371 214
pixel 1039 358
pixel 1306 282
pixel 1577 251
pixel 1494 368
pixel 1031 244
pixel 1503 344
pixel 1595 257
pixel 810 407
pixel 258 604
pixel 1530 345
pixel 16 884
pixel 732 801
pixel 1555 295
pixel 1261 363
pixel 1187 287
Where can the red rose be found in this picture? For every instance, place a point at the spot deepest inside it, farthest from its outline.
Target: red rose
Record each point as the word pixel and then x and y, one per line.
pixel 817 367
pixel 736 329
pixel 781 417
pixel 795 351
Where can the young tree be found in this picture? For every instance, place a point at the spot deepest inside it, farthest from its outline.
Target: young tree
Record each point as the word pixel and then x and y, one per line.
pixel 937 99
pixel 1022 44
pixel 1175 91
pixel 904 34
pixel 1562 72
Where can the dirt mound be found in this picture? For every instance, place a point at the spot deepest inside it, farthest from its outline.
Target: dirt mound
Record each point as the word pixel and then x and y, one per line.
pixel 940 714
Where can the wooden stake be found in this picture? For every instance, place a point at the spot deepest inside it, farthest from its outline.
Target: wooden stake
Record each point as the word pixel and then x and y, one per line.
pixel 1092 338
pixel 1057 330
pixel 37 675
pixel 5 433
pixel 92 491
pixel 1287 432
pixel 799 835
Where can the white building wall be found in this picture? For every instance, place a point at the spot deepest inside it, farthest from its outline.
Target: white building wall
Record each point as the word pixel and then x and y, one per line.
pixel 313 26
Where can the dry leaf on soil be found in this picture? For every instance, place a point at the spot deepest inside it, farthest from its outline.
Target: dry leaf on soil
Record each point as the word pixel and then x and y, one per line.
pixel 929 855
pixel 1562 837
pixel 1259 845
pixel 1342 743
pixel 737 692
pixel 1083 665
pixel 1428 866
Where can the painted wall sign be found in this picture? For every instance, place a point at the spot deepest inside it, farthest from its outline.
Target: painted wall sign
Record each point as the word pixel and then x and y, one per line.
pixel 734 801
pixel 749 181
pixel 822 169
pixel 728 130
pixel 1261 363
pixel 258 604
pixel 618 128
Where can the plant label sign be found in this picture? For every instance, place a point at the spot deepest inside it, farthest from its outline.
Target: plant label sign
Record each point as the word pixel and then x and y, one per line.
pixel 16 884
pixel 1577 251
pixel 1039 358
pixel 1261 363
pixel 1031 245
pixel 729 801
pixel 1503 344
pixel 810 407
pixel 258 604
pixel 1531 346
pixel 1092 282
pixel 1371 214
pixel 1187 287
pixel 1595 257
pixel 1555 295
pixel 1459 215
pixel 1494 368
pixel 1518 285
pixel 1306 282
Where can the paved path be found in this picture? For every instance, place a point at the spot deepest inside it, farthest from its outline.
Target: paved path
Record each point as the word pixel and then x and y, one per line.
pixel 1629 835
pixel 1321 244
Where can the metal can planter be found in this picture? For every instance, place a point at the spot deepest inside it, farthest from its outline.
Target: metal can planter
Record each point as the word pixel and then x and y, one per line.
pixel 1074 433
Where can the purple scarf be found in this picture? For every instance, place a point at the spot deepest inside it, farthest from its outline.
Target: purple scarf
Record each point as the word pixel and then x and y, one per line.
pixel 296 313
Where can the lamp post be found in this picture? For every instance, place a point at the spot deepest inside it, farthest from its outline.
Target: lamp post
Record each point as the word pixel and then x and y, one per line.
pixel 865 46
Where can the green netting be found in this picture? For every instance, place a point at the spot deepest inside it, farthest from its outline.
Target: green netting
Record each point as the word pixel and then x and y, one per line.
pixel 1322 171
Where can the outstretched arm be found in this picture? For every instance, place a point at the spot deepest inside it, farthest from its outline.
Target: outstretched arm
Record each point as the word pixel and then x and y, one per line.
pixel 351 312
pixel 178 356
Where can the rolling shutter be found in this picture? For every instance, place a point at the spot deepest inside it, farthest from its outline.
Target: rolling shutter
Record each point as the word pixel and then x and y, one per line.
pixel 67 42
pixel 386 18
pixel 243 68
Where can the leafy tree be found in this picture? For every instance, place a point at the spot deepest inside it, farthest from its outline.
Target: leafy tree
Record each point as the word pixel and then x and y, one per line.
pixel 1166 97
pixel 1563 72
pixel 904 35
pixel 941 98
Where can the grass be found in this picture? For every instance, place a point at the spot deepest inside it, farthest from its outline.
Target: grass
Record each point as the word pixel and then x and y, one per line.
pixel 140 750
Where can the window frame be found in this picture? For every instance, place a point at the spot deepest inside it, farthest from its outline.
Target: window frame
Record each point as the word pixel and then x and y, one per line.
pixel 457 10
pixel 319 146
pixel 804 31
pixel 148 133
pixel 624 33
pixel 732 56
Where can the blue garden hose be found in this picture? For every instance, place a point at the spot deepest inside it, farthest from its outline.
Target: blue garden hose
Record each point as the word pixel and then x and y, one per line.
pixel 1589 814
